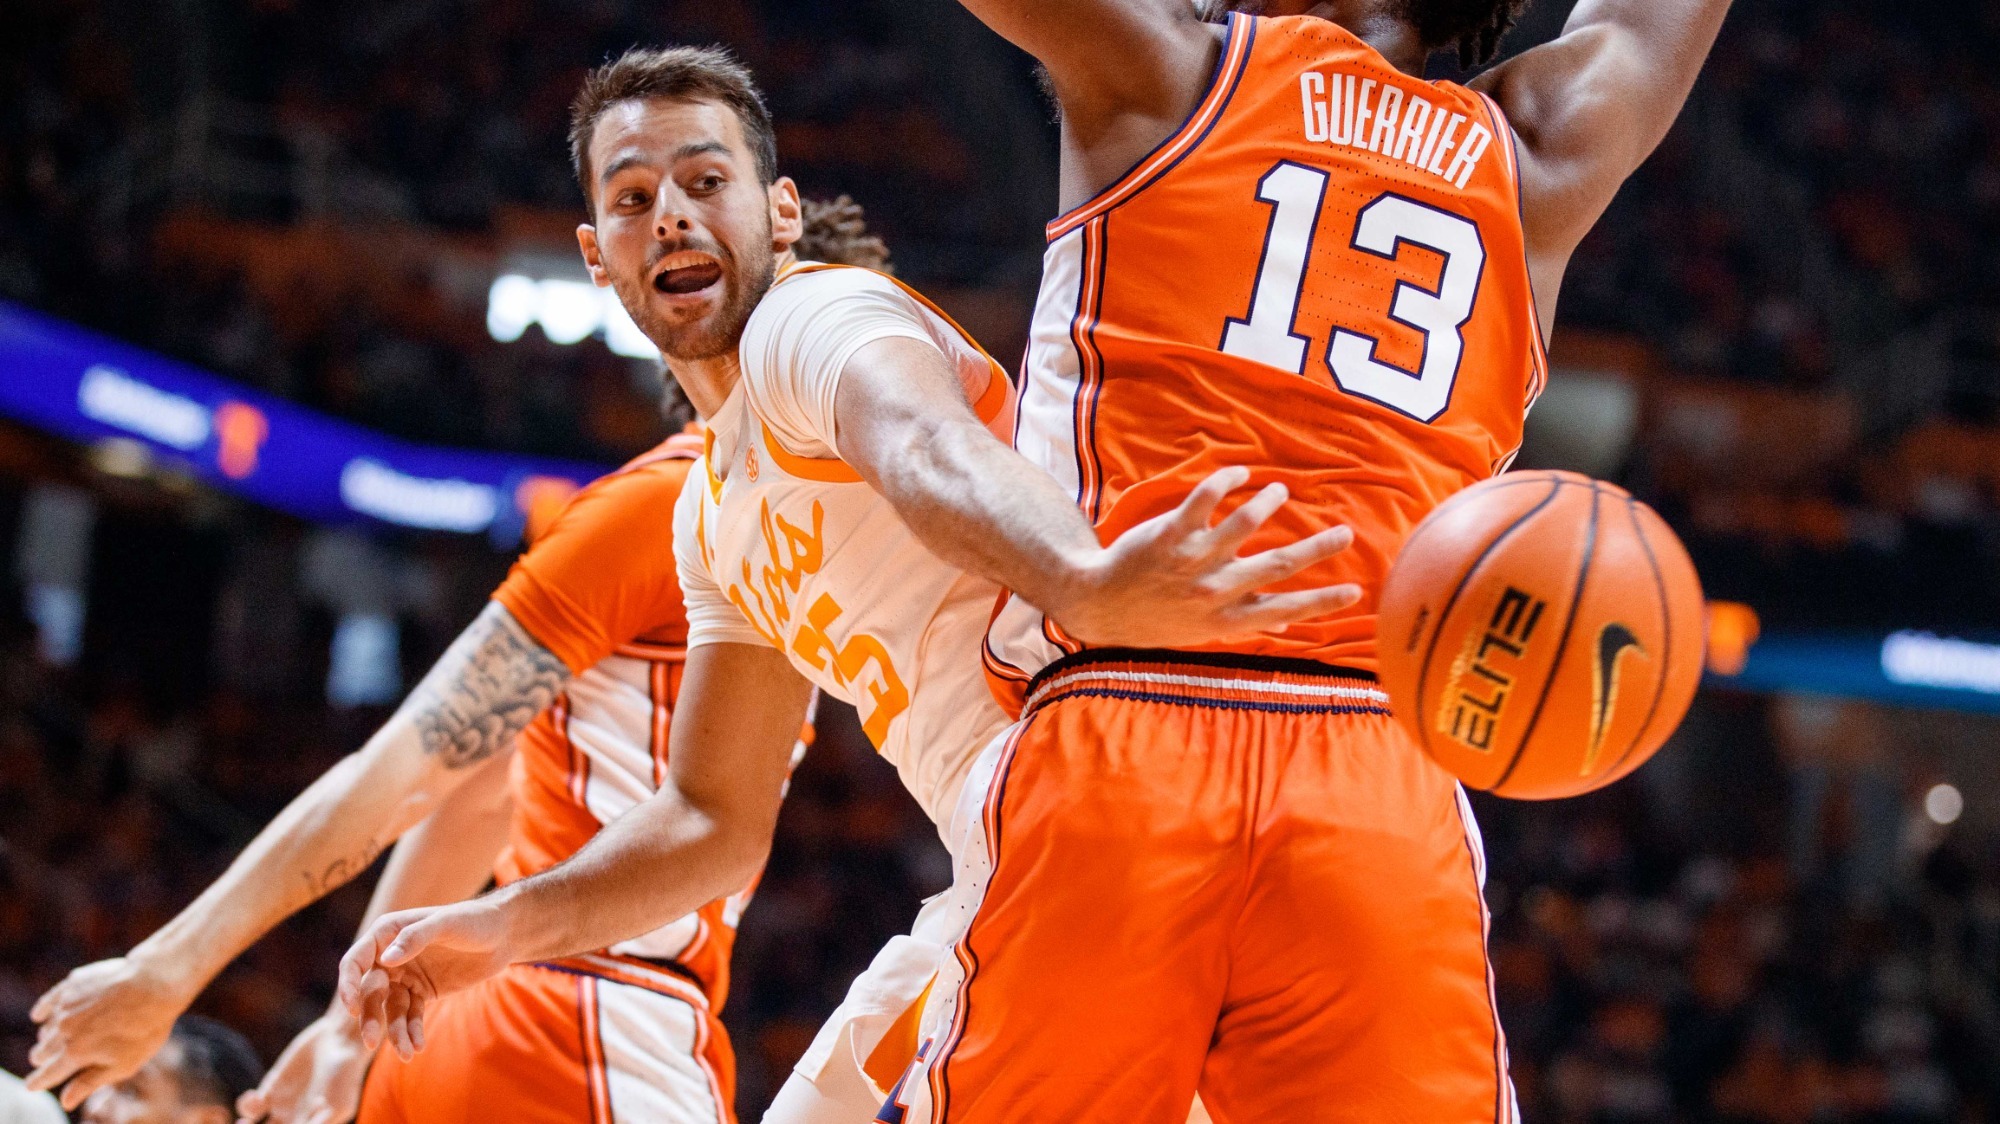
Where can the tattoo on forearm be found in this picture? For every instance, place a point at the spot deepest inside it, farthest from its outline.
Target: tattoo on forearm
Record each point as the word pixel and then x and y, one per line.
pixel 341 870
pixel 494 681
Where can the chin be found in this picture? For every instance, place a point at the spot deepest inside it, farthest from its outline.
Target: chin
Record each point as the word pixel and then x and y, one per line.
pixel 698 339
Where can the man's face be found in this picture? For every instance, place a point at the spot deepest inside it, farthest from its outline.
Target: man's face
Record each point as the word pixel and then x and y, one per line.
pixel 150 1096
pixel 685 234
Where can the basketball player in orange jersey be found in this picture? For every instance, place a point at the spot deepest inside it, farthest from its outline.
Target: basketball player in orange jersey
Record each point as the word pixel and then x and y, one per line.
pixel 580 654
pixel 1224 868
pixel 852 524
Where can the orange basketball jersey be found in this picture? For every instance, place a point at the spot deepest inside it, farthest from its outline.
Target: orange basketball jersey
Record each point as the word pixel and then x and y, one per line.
pixel 1322 277
pixel 600 591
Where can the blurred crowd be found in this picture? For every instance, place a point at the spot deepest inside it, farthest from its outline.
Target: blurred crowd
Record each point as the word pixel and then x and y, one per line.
pixel 1808 256
pixel 436 119
pixel 1834 186
pixel 1765 927
pixel 1805 258
pixel 1769 925
pixel 128 781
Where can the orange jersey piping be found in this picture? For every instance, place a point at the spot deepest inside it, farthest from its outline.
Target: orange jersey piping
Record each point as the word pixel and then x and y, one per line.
pixel 1538 379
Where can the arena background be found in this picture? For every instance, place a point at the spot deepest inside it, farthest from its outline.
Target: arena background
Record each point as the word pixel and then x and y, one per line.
pixel 346 227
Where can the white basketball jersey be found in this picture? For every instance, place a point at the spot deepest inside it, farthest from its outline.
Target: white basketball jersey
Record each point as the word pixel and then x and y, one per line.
pixel 781 543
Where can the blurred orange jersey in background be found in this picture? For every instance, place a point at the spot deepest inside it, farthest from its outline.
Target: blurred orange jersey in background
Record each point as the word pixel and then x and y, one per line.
pixel 600 591
pixel 632 1032
pixel 1322 276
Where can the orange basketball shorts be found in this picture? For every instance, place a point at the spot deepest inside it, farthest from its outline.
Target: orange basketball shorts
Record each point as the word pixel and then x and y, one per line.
pixel 1205 875
pixel 565 1043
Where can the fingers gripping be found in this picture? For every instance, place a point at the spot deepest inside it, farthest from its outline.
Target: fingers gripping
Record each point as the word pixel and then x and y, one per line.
pixel 87 1081
pixel 397 1008
pixel 1270 611
pixel 57 1057
pixel 418 1000
pixel 46 1005
pixel 367 957
pixel 1235 530
pixel 1197 511
pixel 1279 564
pixel 373 1013
pixel 415 939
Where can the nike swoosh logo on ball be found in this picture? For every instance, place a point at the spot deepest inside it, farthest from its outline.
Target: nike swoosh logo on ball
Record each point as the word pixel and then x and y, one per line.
pixel 1612 642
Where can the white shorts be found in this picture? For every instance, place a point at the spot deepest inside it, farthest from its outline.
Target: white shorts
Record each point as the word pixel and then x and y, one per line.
pixel 845 1072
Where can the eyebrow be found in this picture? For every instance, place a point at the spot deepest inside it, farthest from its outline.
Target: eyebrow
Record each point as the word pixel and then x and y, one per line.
pixel 697 148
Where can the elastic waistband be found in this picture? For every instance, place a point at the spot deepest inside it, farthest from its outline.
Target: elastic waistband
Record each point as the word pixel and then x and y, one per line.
pixel 1219 680
pixel 667 977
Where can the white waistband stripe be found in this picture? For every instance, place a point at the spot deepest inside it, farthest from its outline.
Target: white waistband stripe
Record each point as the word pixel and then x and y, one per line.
pixel 1316 691
pixel 665 981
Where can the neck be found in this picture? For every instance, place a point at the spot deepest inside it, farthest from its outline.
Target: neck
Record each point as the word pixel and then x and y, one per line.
pixel 707 382
pixel 1379 23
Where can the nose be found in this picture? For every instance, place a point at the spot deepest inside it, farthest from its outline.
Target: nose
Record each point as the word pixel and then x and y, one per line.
pixel 670 222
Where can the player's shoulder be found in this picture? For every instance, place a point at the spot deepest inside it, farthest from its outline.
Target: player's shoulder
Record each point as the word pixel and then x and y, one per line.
pixel 645 485
pixel 808 315
pixel 808 286
pixel 665 465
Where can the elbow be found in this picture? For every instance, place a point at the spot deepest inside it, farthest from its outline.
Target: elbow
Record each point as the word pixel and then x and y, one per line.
pixel 740 859
pixel 734 843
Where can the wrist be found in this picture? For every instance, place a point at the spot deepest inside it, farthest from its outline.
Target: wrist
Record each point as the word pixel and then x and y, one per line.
pixel 1074 583
pixel 337 1020
pixel 172 970
pixel 516 933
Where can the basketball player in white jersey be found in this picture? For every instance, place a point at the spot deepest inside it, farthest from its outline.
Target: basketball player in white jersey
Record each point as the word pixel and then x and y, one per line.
pixel 851 469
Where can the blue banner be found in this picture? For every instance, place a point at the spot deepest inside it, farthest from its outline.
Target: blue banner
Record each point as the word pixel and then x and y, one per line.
pixel 1919 669
pixel 87 387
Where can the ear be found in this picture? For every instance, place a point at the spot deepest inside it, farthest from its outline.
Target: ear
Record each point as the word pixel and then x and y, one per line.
pixel 593 258
pixel 788 222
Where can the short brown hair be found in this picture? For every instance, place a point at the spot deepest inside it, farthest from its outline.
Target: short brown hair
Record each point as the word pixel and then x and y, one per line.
pixel 676 74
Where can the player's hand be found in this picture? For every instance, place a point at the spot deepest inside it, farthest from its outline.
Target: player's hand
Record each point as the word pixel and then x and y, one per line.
pixel 408 959
pixel 317 1080
pixel 1176 579
pixel 100 1024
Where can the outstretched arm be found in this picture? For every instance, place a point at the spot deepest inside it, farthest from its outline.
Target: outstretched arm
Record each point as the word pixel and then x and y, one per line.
pixel 904 423
pixel 702 836
pixel 103 1021
pixel 447 858
pixel 1590 107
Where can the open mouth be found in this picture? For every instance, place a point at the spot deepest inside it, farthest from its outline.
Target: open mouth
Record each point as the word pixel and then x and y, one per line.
pixel 686 272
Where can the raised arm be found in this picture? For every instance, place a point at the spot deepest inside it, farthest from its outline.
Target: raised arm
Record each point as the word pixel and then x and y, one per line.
pixel 702 836
pixel 104 1020
pixel 1127 74
pixel 447 858
pixel 1590 106
pixel 903 422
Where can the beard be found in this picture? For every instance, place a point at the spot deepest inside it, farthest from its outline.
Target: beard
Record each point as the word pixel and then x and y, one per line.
pixel 745 280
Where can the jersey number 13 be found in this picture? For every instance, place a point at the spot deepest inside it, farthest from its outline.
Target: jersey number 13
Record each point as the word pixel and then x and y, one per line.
pixel 1296 194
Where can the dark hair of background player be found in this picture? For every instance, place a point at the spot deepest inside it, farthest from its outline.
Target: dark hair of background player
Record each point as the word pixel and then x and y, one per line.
pixel 212 1064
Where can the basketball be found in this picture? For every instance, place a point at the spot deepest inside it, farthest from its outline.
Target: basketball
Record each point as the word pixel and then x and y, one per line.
pixel 1542 634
